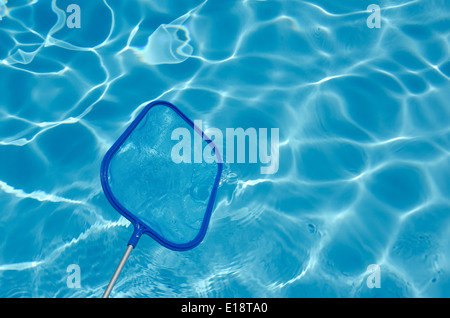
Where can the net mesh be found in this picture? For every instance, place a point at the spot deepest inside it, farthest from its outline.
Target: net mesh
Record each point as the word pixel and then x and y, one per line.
pixel 171 198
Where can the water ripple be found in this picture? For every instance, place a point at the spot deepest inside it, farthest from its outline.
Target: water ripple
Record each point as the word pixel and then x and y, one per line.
pixel 364 145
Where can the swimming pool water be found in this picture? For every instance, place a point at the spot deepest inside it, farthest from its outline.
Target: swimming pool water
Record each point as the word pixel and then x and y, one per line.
pixel 364 157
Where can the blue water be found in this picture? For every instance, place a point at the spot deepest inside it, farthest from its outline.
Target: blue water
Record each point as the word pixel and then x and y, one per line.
pixel 364 159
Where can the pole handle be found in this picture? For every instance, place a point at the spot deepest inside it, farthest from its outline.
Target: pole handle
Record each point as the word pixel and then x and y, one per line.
pixel 118 270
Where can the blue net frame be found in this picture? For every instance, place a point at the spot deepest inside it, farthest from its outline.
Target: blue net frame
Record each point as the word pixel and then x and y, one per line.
pixel 140 227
